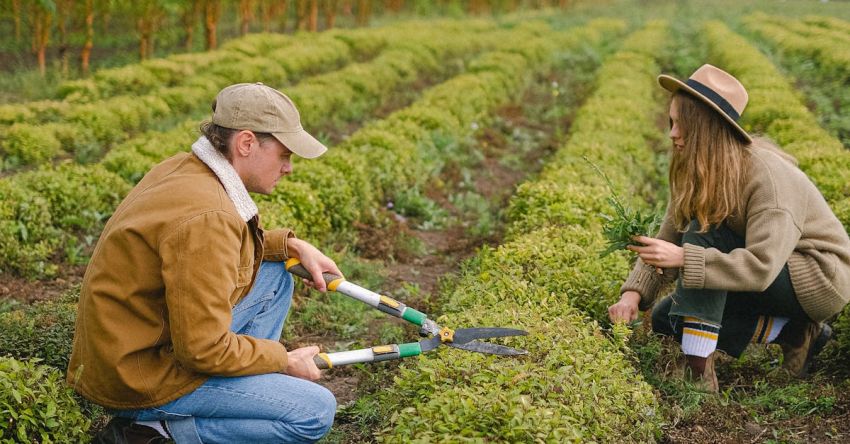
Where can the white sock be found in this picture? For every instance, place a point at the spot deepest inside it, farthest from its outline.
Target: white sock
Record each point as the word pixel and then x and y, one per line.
pixel 776 328
pixel 767 329
pixel 699 338
pixel 156 425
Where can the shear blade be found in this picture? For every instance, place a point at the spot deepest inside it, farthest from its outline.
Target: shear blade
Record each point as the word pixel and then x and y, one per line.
pixel 464 335
pixel 485 347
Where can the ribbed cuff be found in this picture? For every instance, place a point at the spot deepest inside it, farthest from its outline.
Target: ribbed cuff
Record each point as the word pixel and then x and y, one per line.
pixel 693 273
pixel 646 281
pixel 816 294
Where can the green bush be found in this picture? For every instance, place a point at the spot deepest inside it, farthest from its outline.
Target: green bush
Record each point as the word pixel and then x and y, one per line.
pixel 43 330
pixel 37 406
pixel 25 144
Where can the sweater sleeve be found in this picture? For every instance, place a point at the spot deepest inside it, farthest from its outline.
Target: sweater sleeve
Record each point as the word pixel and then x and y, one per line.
pixel 644 278
pixel 770 239
pixel 200 264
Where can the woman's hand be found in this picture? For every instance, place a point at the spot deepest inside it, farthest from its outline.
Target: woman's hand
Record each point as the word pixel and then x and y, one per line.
pixel 314 261
pixel 659 253
pixel 627 309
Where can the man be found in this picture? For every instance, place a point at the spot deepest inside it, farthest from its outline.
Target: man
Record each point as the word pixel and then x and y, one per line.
pixel 184 300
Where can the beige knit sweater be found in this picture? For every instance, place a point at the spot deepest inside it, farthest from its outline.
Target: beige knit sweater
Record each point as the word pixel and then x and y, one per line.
pixel 786 220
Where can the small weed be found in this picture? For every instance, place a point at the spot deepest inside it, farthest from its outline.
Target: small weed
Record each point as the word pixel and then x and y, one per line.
pixel 626 222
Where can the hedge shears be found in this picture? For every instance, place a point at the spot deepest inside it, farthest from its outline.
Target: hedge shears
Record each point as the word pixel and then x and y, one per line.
pixel 463 338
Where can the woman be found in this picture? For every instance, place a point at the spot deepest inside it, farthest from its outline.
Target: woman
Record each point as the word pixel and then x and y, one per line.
pixel 756 252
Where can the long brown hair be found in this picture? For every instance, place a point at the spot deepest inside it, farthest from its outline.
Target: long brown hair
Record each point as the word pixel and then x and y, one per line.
pixel 707 175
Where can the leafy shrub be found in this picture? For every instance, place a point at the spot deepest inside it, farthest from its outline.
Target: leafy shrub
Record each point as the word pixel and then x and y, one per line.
pixel 37 406
pixel 25 144
pixel 43 330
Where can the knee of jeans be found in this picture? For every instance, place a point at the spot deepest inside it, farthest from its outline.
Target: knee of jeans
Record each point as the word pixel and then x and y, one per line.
pixel 321 416
pixel 661 320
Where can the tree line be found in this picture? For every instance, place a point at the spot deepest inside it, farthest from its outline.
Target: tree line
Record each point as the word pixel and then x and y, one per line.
pixel 72 29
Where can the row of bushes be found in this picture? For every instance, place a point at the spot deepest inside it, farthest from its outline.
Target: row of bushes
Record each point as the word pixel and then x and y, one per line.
pixel 55 211
pixel 465 99
pixel 813 42
pixel 576 384
pixel 346 95
pixel 831 23
pixel 802 57
pixel 410 145
pixel 87 130
pixel 778 112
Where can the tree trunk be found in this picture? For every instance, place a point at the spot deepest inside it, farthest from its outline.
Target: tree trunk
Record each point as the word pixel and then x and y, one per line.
pixel 346 8
pixel 282 10
pixel 301 7
pixel 564 4
pixel 314 16
pixel 85 55
pixel 16 12
pixel 330 8
pixel 212 13
pixel 364 11
pixel 42 19
pixel 63 11
pixel 267 14
pixel 190 16
pixel 246 12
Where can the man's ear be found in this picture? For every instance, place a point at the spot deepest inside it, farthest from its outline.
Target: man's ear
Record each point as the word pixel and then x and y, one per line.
pixel 243 143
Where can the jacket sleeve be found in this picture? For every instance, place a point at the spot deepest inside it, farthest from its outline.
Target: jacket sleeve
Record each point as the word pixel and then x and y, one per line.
pixel 276 245
pixel 644 278
pixel 771 237
pixel 200 263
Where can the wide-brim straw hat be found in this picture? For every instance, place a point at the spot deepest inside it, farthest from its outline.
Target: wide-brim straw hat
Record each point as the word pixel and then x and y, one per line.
pixel 717 89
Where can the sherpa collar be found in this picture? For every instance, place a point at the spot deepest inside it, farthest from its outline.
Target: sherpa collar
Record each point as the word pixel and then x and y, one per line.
pixel 227 175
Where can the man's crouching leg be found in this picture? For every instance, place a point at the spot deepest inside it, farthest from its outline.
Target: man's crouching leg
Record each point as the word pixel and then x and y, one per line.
pixel 262 408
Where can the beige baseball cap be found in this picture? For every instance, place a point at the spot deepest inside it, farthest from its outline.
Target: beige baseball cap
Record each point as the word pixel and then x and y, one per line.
pixel 260 108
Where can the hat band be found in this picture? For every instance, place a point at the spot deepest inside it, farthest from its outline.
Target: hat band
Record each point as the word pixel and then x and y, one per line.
pixel 717 99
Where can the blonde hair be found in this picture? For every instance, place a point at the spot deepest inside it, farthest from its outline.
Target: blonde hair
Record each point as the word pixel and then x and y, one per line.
pixel 707 174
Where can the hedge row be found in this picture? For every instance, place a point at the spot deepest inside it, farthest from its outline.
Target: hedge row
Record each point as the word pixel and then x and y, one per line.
pixel 45 213
pixel 830 23
pixel 576 384
pixel 497 77
pixel 87 130
pixel 778 112
pixel 809 41
pixel 345 95
pixel 409 146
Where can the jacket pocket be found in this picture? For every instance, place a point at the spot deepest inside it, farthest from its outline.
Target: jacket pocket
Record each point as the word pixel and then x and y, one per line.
pixel 243 275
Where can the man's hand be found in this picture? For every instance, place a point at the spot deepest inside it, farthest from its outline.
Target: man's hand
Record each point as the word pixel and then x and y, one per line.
pixel 659 253
pixel 627 309
pixel 300 363
pixel 314 261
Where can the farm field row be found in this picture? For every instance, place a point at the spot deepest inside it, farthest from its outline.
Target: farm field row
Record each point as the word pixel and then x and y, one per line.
pixel 576 384
pixel 34 226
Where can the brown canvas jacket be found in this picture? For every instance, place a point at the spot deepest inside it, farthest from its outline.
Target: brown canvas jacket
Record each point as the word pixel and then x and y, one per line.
pixel 155 305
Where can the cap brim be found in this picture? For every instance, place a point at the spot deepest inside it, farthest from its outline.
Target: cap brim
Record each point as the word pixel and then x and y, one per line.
pixel 673 84
pixel 302 144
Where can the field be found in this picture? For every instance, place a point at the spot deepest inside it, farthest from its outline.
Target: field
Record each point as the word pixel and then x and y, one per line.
pixel 463 179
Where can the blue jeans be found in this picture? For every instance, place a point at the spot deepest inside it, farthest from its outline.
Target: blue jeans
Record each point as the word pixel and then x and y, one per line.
pixel 251 409
pixel 737 313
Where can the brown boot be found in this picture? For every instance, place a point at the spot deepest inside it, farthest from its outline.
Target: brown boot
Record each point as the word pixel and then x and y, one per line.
pixel 123 430
pixel 798 353
pixel 701 372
